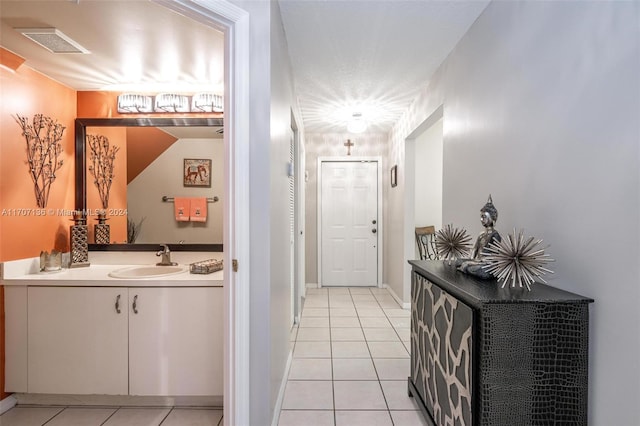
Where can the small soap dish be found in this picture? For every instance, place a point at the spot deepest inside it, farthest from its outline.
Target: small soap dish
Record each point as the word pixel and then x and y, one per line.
pixel 206 266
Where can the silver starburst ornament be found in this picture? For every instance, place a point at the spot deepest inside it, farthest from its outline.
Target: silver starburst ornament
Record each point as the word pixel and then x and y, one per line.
pixel 517 260
pixel 452 243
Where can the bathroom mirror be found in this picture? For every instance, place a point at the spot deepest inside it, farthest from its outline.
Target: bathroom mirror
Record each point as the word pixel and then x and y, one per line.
pixel 156 180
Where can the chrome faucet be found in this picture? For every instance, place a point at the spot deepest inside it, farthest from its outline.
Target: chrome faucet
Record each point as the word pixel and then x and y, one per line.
pixel 166 256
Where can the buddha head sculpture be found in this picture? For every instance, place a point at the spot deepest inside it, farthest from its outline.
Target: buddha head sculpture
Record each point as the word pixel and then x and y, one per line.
pixel 488 213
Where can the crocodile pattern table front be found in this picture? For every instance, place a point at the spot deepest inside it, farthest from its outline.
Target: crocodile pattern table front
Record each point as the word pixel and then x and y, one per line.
pixel 483 355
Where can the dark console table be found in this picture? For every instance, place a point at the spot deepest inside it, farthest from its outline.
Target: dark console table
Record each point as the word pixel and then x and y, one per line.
pixel 484 355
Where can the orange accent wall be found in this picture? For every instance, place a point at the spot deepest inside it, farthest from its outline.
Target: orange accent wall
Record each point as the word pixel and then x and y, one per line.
pixel 24 229
pixel 144 145
pixel 10 60
pixel 3 394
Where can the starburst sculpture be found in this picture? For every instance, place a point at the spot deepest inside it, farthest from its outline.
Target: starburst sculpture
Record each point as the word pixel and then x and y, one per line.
pixel 452 243
pixel 517 260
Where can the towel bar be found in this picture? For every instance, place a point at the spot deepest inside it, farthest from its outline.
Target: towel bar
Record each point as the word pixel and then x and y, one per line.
pixel 166 199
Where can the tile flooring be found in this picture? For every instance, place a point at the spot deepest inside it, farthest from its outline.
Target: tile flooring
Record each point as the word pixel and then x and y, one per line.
pixel 103 416
pixel 350 362
pixel 350 367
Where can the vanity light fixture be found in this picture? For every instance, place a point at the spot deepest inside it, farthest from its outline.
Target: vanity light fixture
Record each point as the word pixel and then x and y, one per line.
pixel 132 103
pixel 207 102
pixel 170 102
pixel 356 124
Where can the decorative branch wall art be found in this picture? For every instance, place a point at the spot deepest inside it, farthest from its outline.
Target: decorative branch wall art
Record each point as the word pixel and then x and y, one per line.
pixel 43 136
pixel 102 158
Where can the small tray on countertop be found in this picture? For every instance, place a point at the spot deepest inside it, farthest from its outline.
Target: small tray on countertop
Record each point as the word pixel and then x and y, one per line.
pixel 206 266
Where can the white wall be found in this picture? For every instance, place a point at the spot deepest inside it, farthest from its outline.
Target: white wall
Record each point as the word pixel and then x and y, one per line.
pixel 282 104
pixel 271 104
pixel 541 105
pixel 165 177
pixel 327 145
pixel 428 177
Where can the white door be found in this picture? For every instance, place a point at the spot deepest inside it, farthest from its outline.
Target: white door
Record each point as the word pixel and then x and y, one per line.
pixel 175 341
pixel 349 223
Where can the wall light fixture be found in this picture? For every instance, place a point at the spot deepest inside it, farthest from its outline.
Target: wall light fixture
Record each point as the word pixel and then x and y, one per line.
pixel 206 102
pixel 169 102
pixel 129 103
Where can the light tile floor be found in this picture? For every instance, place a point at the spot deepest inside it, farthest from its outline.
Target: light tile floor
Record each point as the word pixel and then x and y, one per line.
pixel 350 362
pixel 101 416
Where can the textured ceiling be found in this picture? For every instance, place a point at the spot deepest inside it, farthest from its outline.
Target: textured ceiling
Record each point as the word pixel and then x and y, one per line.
pixel 135 45
pixel 348 56
pixel 372 57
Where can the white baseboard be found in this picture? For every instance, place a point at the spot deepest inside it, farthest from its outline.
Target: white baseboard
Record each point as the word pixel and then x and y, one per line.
pixel 312 285
pixel 283 385
pixel 395 296
pixel 7 404
pixel 118 400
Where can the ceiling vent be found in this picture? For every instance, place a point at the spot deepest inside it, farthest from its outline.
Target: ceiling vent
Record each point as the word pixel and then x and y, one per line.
pixel 53 40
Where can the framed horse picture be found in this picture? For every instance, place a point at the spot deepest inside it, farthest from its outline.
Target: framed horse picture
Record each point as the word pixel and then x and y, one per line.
pixel 197 172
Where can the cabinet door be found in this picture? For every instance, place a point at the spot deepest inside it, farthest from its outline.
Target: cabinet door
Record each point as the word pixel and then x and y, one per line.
pixel 441 352
pixel 175 341
pixel 77 340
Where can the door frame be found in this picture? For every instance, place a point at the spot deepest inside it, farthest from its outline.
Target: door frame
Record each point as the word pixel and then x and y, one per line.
pixel 234 22
pixel 374 159
pixel 409 200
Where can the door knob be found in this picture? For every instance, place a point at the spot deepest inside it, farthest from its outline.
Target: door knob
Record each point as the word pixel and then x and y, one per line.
pixel 374 221
pixel 374 230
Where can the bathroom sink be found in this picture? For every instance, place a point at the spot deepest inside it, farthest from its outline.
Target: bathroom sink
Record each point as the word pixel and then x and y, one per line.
pixel 147 271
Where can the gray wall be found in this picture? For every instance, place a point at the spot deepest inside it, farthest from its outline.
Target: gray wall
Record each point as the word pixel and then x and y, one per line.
pixel 541 109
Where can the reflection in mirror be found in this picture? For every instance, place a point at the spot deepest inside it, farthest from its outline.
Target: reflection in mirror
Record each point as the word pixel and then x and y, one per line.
pixel 162 167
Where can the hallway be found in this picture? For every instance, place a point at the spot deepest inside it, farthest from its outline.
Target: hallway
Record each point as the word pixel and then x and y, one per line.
pixel 350 361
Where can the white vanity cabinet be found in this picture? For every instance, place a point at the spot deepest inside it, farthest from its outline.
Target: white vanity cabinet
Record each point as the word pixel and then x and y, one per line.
pixel 161 341
pixel 175 341
pixel 77 341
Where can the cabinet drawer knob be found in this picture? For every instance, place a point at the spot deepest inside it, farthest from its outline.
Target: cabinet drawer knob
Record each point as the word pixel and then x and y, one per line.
pixel 135 304
pixel 118 304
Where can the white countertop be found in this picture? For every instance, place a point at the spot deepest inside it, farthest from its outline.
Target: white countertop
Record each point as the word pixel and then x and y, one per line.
pixel 26 273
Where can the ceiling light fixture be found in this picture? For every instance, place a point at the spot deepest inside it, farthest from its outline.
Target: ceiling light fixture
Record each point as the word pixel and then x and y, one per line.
pixel 356 124
pixel 53 40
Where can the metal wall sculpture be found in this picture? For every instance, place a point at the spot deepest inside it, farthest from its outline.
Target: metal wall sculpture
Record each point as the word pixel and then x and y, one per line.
pixel 102 158
pixel 43 136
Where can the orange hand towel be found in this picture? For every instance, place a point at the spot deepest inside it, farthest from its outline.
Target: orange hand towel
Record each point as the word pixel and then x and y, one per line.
pixel 182 207
pixel 198 209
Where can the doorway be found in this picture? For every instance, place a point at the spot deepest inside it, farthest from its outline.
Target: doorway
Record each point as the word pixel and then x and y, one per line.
pixel 424 159
pixel 234 22
pixel 349 222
